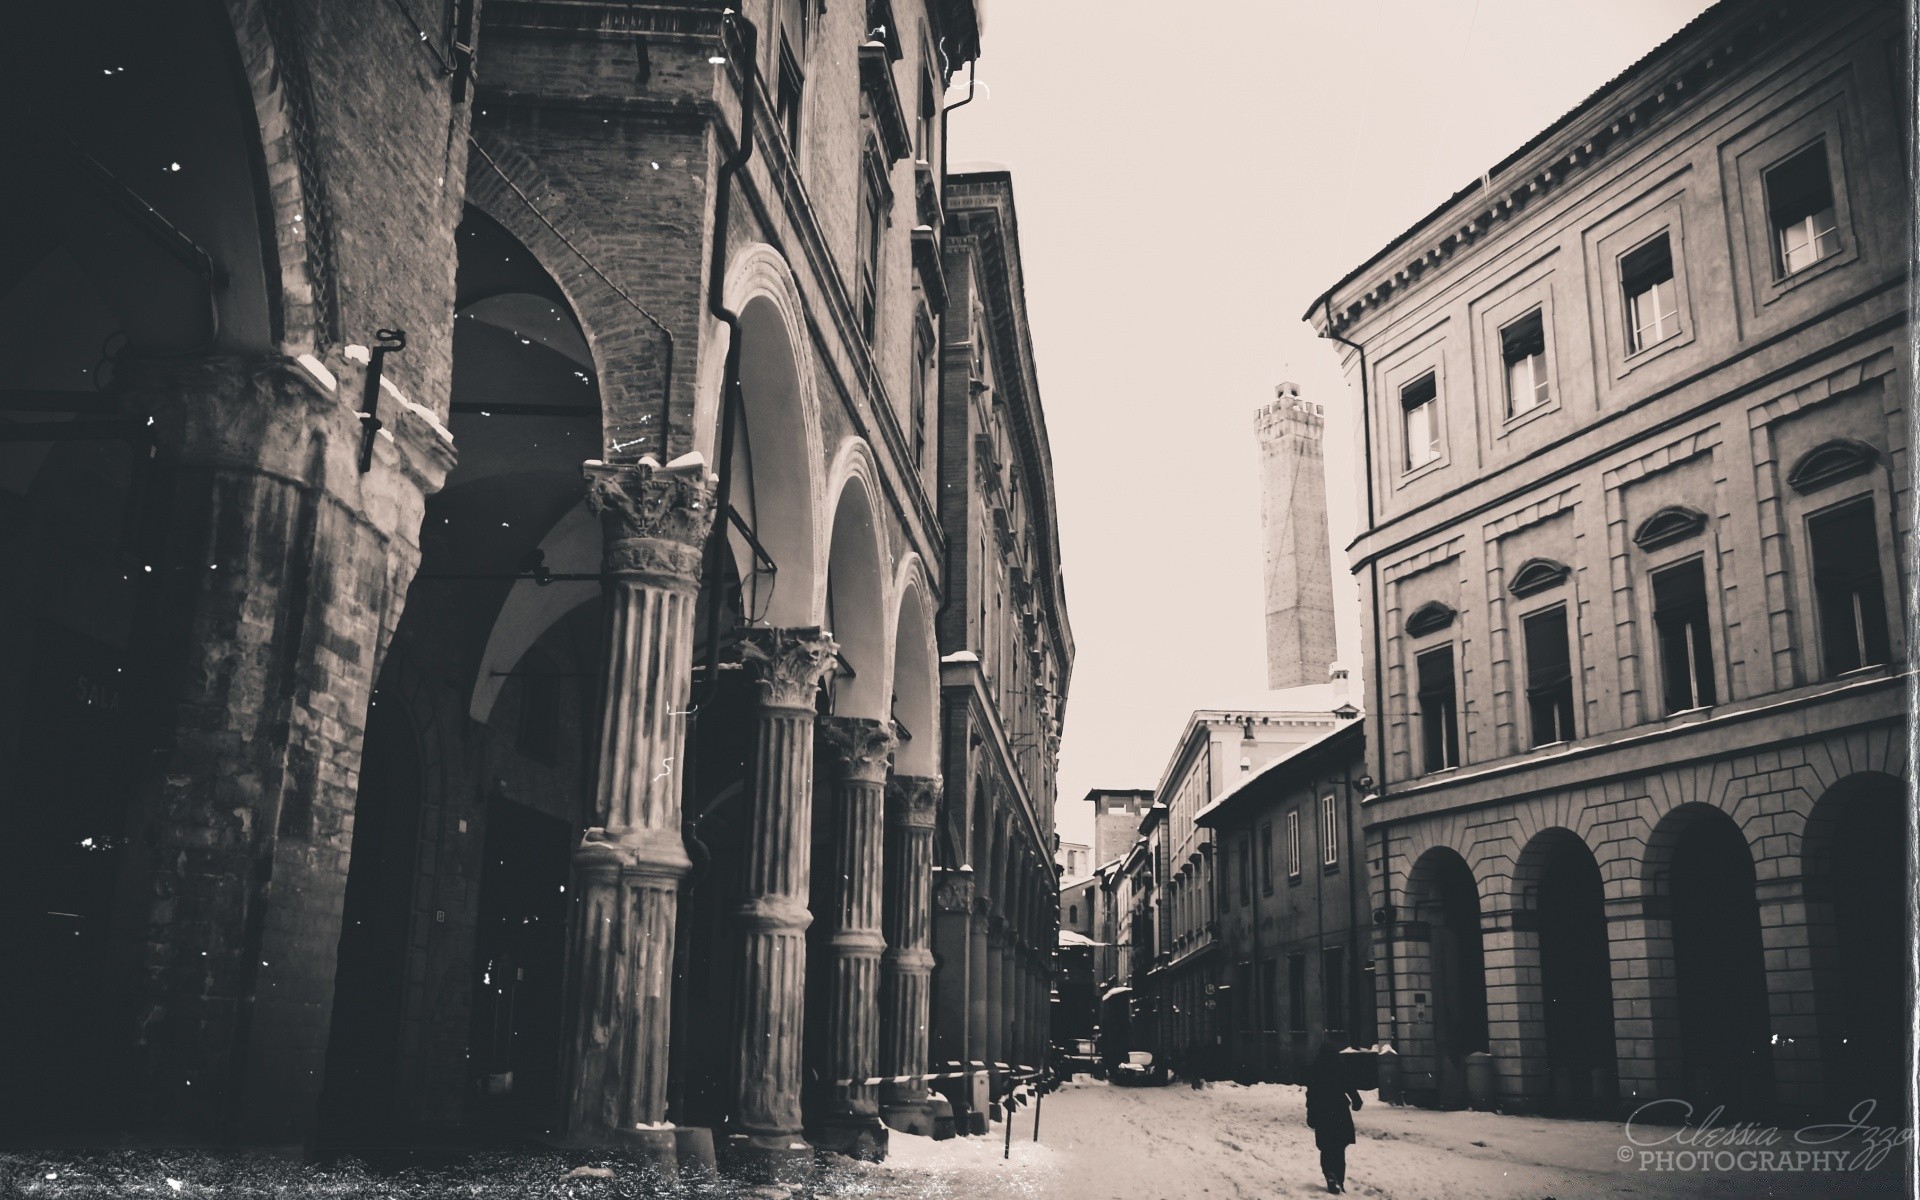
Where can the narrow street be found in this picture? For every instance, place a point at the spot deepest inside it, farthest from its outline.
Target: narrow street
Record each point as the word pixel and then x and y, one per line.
pixel 1250 1143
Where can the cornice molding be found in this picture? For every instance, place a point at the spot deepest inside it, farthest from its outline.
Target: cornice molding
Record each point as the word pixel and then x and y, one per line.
pixel 1549 164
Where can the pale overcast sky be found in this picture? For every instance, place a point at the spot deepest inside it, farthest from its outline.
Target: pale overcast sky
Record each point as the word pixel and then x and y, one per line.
pixel 1189 178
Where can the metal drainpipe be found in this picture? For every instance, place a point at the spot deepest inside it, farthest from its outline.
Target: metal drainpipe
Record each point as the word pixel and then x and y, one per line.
pixel 940 351
pixel 716 304
pixel 1379 686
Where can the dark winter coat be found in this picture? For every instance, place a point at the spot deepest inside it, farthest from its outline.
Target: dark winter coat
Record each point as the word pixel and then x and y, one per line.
pixel 1330 1106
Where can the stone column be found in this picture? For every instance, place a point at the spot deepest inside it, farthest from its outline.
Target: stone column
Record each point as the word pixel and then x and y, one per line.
pixel 1799 1073
pixel 859 751
pixel 906 970
pixel 630 862
pixel 786 666
pixel 953 987
pixel 1016 1028
pixel 997 1015
pixel 271 572
pixel 1513 1040
pixel 979 1009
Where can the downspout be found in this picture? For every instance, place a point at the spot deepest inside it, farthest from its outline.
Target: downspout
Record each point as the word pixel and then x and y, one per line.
pixel 940 351
pixel 1379 684
pixel 730 399
pixel 698 850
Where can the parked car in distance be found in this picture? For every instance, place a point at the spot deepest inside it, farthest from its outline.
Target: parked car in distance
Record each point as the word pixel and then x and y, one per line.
pixel 1138 1069
pixel 1078 1057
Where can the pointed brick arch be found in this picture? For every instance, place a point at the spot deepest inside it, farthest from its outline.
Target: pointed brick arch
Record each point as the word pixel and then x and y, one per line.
pixel 307 317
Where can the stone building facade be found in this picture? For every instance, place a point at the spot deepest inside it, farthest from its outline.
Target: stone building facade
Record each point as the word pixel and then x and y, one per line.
pixel 1007 654
pixel 1116 821
pixel 484 485
pixel 1635 570
pixel 1170 906
pixel 1295 933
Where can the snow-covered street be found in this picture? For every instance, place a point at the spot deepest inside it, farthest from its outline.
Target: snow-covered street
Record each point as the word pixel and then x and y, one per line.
pixel 1173 1143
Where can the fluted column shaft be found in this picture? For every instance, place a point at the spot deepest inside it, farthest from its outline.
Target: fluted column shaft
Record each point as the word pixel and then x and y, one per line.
pixel 979 1011
pixel 786 666
pixel 997 1015
pixel 630 861
pixel 859 749
pixel 906 970
pixel 1009 997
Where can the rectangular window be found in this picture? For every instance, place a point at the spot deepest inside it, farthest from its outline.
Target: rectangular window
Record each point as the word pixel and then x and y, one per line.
pixel 790 82
pixel 1329 832
pixel 1800 209
pixel 920 391
pixel 1245 1003
pixel 1439 716
pixel 872 223
pixel 928 126
pixel 1246 872
pixel 1549 676
pixel 1523 347
pixel 1333 988
pixel 1653 301
pixel 1270 995
pixel 1293 843
pixel 1297 993
pixel 1686 648
pixel 1847 588
pixel 1266 858
pixel 1420 420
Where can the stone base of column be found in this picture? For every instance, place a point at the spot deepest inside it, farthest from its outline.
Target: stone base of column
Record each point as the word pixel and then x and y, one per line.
pixel 658 1147
pixel 913 1116
pixel 856 1135
pixel 941 1111
pixel 766 1158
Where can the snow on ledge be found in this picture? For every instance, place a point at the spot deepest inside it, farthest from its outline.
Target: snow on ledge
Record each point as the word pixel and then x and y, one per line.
pixel 961 656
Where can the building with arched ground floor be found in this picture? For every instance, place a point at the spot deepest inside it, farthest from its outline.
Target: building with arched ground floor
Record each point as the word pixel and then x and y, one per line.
pixel 481 672
pixel 1635 566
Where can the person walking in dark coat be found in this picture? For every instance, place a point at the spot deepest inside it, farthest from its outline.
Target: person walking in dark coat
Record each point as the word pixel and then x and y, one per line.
pixel 1331 1103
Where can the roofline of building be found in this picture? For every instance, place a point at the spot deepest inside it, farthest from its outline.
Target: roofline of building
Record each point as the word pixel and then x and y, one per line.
pixel 1307 755
pixel 1005 217
pixel 1204 718
pixel 1561 130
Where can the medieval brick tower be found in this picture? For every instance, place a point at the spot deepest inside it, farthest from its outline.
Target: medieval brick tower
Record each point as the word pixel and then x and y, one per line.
pixel 1293 520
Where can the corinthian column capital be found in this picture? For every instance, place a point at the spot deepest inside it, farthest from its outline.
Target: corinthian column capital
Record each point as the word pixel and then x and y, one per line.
pixel 913 801
pixel 786 665
pixel 654 519
pixel 859 747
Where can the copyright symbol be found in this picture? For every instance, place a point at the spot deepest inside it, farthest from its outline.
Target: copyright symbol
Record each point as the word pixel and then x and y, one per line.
pixel 1626 1154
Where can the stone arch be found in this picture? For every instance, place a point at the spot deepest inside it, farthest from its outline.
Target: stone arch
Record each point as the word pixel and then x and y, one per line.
pixel 852 599
pixel 1859 931
pixel 629 376
pixel 301 271
pixel 1447 954
pixel 1564 985
pixel 915 671
pixel 777 486
pixel 1712 1029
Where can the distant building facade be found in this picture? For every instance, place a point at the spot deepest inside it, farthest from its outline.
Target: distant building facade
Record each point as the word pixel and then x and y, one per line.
pixel 1007 654
pixel 1171 877
pixel 1116 820
pixel 1293 520
pixel 1075 860
pixel 1295 936
pixel 1634 563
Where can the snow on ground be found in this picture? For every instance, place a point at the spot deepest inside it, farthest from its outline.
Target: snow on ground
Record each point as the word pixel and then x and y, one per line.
pixel 1227 1142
